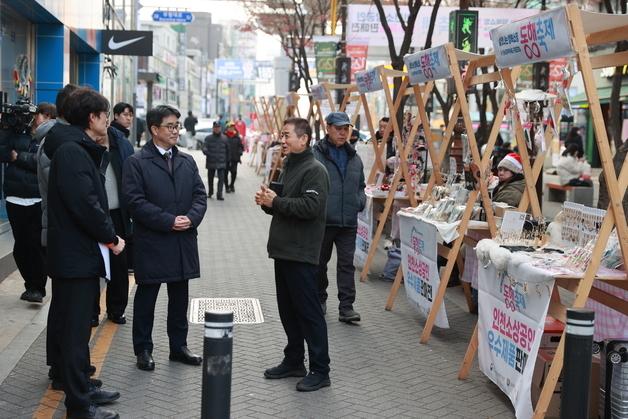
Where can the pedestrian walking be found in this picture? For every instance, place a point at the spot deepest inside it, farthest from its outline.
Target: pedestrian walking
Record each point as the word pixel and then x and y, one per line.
pixel 166 199
pixel 236 148
pixel 140 129
pixel 19 148
pixel 216 151
pixel 189 123
pixel 346 199
pixel 298 204
pixel 78 221
pixel 240 125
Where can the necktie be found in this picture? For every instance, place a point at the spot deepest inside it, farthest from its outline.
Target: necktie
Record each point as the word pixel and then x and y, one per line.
pixel 168 158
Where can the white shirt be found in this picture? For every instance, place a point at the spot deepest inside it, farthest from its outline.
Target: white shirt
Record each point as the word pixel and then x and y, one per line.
pixel 162 151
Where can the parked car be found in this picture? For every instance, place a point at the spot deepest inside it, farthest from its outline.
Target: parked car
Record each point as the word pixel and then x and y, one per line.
pixel 203 129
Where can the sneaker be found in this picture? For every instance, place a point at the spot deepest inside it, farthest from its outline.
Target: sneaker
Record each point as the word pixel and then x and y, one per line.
pixel 348 316
pixel 283 371
pixel 313 381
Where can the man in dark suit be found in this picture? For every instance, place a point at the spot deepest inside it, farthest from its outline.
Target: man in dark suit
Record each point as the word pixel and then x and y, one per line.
pixel 166 198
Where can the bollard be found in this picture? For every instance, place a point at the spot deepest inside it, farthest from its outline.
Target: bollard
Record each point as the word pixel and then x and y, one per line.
pixel 217 351
pixel 577 364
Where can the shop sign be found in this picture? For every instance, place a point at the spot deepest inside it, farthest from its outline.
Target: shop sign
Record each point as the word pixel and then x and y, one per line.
pixel 430 64
pixel 539 38
pixel 172 16
pixel 510 326
pixel 120 42
pixel 369 80
pixel 358 54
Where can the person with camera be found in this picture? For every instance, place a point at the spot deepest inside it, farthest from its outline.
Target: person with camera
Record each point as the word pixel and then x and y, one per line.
pixel 18 148
pixel 80 230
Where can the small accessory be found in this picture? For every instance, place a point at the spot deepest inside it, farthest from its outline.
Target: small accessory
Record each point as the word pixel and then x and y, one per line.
pixel 338 119
pixel 512 162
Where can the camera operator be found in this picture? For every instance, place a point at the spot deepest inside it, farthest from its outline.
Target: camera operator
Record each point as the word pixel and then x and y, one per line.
pixel 18 148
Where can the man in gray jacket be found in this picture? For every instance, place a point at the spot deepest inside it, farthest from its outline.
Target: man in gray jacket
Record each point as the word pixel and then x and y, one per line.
pixel 216 150
pixel 297 203
pixel 346 199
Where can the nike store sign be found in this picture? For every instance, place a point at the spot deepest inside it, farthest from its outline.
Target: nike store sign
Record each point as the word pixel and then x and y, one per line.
pixel 138 43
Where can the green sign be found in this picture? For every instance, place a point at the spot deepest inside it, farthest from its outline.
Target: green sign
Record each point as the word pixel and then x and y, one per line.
pixel 325 53
pixel 463 30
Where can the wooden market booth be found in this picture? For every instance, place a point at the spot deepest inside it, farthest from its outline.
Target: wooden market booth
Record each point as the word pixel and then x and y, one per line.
pixel 573 33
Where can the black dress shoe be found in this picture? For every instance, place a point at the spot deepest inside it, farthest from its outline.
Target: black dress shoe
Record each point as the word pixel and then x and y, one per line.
pixel 93 412
pixel 220 198
pixel 99 396
pixel 145 361
pixel 186 357
pixel 121 319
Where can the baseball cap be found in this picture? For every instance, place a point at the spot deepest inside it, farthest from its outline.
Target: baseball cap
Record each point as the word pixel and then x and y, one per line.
pixel 216 124
pixel 338 119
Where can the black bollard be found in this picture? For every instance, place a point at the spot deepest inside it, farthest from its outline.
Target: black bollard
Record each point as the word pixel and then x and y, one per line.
pixel 577 364
pixel 217 351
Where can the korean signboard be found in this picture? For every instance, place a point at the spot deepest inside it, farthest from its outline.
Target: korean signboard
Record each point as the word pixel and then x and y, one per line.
pixel 429 64
pixel 368 81
pixel 539 38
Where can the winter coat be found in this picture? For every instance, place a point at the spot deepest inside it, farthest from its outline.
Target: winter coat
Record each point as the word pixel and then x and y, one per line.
pixel 78 215
pixel 20 176
pixel 346 193
pixel 511 191
pixel 216 151
pixel 569 167
pixel 119 132
pixel 618 161
pixel 119 150
pixel 43 170
pixel 298 225
pixel 235 148
pixel 154 198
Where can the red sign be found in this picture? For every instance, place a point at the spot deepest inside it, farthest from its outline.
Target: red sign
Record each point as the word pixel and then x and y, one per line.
pixel 556 73
pixel 358 55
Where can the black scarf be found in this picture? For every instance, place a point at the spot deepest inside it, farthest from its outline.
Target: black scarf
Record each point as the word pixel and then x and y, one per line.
pixel 116 125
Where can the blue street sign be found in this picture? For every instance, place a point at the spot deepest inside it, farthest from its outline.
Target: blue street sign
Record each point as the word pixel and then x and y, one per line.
pixel 172 16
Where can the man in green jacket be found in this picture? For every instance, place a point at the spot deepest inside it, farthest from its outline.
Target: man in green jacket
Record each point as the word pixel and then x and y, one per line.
pixel 298 205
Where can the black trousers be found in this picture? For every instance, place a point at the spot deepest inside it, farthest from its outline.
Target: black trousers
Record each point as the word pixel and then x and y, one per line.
pixel 233 170
pixel 70 309
pixel 118 287
pixel 222 178
pixel 27 250
pixel 144 316
pixel 344 239
pixel 301 314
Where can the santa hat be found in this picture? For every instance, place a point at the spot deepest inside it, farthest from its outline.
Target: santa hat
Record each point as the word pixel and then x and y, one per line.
pixel 512 162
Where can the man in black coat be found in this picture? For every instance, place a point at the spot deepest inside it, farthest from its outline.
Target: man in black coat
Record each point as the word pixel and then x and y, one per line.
pixel 346 199
pixel 236 148
pixel 79 233
pixel 166 198
pixel 216 150
pixel 298 205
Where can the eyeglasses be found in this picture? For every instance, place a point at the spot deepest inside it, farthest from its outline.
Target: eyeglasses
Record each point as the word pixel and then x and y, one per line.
pixel 172 127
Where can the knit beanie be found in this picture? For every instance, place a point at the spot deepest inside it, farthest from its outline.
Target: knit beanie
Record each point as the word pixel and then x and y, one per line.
pixel 512 162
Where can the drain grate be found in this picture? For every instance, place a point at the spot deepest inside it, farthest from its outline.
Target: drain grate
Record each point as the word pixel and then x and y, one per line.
pixel 245 310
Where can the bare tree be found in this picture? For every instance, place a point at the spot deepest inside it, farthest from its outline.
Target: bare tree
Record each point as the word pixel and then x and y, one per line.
pixel 295 22
pixel 615 111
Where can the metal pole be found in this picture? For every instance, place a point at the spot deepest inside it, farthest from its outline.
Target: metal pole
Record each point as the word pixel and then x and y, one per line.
pixel 577 372
pixel 217 351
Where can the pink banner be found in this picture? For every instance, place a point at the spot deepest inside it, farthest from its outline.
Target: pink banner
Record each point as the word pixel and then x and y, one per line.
pixel 358 54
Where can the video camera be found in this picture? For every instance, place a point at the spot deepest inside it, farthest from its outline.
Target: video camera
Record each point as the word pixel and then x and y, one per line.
pixel 19 117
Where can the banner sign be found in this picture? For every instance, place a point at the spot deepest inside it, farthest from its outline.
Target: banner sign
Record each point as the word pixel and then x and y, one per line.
pixel 318 92
pixel 364 235
pixel 172 16
pixel 430 64
pixel 510 326
pixel 369 80
pixel 538 38
pixel 420 269
pixel 237 69
pixel 325 53
pixel 358 54
pixel 364 26
pixel 121 42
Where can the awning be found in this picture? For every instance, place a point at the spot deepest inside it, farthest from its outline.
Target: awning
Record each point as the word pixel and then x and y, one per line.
pixel 603 92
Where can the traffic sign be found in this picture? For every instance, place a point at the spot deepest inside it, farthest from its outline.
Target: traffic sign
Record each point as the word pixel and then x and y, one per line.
pixel 172 16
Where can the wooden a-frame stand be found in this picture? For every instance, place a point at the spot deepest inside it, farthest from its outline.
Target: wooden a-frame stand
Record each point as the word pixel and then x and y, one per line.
pixel 608 29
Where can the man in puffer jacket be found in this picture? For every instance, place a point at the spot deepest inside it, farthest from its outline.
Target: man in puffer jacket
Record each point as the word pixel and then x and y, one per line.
pixel 346 199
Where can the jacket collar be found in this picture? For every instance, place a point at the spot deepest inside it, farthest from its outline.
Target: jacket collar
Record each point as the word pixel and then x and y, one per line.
pixel 324 145
pixel 120 128
pixel 299 157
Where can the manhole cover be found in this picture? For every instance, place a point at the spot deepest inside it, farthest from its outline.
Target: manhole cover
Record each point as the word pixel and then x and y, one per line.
pixel 245 310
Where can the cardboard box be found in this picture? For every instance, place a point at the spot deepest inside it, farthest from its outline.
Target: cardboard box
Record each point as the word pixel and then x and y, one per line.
pixel 541 370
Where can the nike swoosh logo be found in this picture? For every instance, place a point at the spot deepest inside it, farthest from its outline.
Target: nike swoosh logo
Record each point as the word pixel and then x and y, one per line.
pixel 113 45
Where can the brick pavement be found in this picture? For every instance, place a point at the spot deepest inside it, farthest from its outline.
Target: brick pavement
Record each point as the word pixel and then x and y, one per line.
pixel 378 367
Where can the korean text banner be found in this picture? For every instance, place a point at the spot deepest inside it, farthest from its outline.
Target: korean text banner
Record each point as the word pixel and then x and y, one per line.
pixel 430 64
pixel 510 326
pixel 538 38
pixel 318 92
pixel 368 81
pixel 364 234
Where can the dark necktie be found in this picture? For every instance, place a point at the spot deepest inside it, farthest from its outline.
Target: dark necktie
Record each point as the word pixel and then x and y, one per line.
pixel 168 158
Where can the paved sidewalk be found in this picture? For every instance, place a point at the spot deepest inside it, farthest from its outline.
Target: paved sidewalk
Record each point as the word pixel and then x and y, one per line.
pixel 378 368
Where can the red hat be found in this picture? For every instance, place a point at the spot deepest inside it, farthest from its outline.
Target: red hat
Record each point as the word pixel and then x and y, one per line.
pixel 512 162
